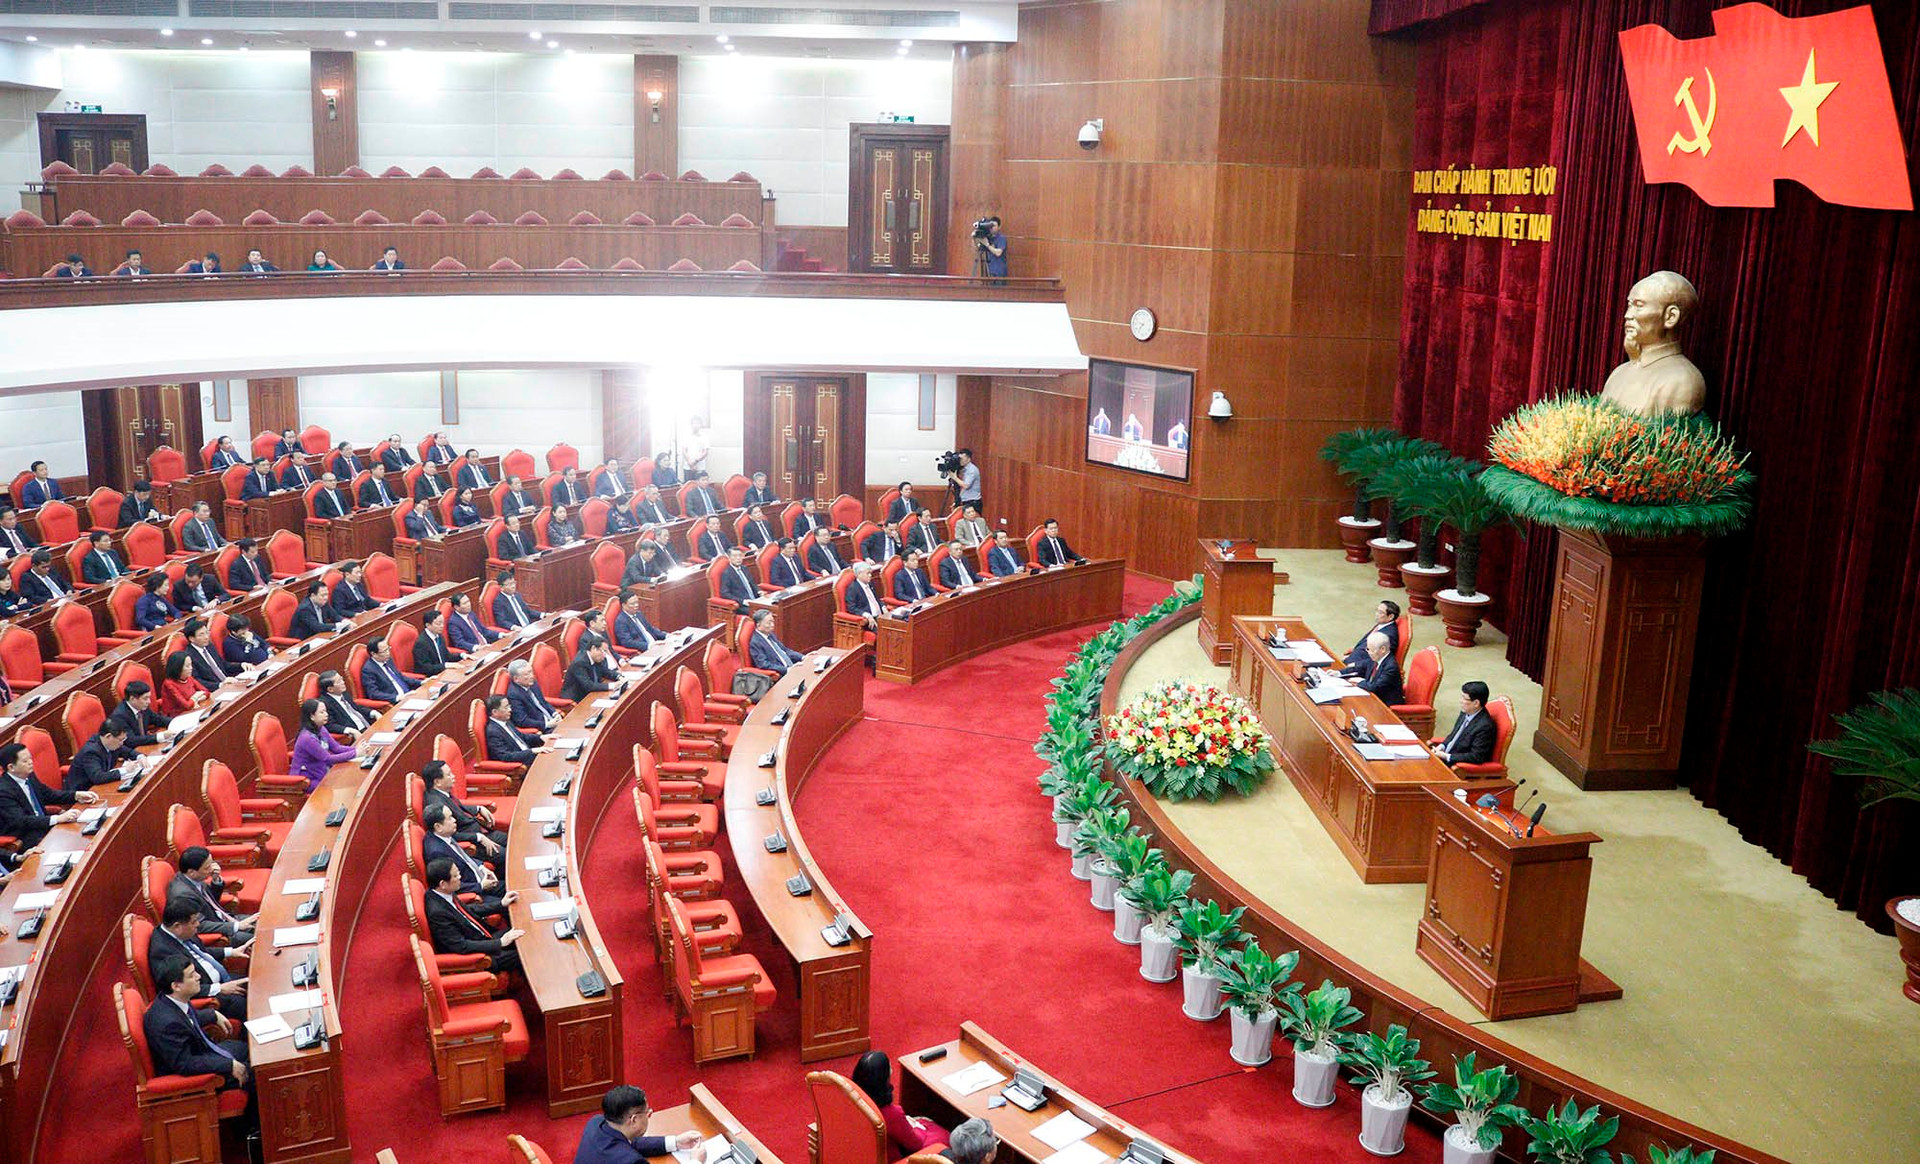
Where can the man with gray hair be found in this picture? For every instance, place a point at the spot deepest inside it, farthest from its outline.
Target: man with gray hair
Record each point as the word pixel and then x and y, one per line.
pixel 531 709
pixel 973 1142
pixel 1380 674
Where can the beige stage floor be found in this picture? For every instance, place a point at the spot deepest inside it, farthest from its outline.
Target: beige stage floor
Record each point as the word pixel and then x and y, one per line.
pixel 1753 1006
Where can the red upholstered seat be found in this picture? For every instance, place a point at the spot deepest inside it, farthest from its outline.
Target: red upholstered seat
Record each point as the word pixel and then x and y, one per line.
pixel 701 717
pixel 82 717
pixel 383 578
pixel 846 1125
pixel 609 563
pixel 121 601
pixel 694 830
pixel 46 757
pixel 73 633
pixel 1500 710
pixel 286 554
pixel 103 507
pixel 267 739
pixel 743 632
pixel 402 637
pixel 886 506
pixel 130 671
pixel 845 625
pixel 717 996
pixel 278 611
pixel 710 774
pixel 21 663
pixel 846 511
pixel 315 440
pixel 517 463
pixel 521 1150
pixel 472 1042
pixel 1422 680
pixel 179 1114
pixel 414 895
pixel 263 443
pixel 59 521
pixel 184 831
pixel 482 762
pixel 166 463
pixel 239 818
pixel 550 675
pixel 495 788
pixel 677 804
pixel 716 925
pixel 1404 628
pixel 563 456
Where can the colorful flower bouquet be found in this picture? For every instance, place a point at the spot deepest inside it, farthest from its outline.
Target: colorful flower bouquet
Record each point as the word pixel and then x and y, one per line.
pixel 1187 739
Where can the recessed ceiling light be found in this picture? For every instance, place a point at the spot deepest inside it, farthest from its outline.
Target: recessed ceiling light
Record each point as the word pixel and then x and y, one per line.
pixel 569 52
pixel 31 39
pixel 379 44
pixel 553 44
pixel 722 38
pixel 206 40
pixel 79 48
pixel 534 35
pixel 406 48
pixel 351 34
pixel 906 44
pixel 166 32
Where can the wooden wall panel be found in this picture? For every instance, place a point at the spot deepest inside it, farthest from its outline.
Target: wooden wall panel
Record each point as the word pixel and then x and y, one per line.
pixel 975 146
pixel 336 131
pixel 273 404
pixel 656 132
pixel 623 415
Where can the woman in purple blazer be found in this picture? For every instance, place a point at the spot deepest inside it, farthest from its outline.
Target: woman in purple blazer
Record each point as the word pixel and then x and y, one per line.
pixel 314 751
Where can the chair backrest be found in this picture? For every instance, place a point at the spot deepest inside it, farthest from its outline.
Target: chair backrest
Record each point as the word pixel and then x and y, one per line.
pixel 130 1011
pixel 787 516
pixel 207 451
pixel 1403 627
pixel 548 672
pixel 267 738
pixel 646 774
pixel 1500 708
pixel 846 510
pixel 563 456
pixel 593 517
pixel 128 671
pixel 400 511
pixel 46 757
pixel 413 841
pixel 735 491
pixel 278 611
pixel 136 939
pixel 82 717
pixel 862 530
pixel 103 507
pixel 715 570
pixel 286 554
pixel 689 694
pixel 517 463
pixel 847 1123
pixel 73 630
pixel 233 478
pixel 166 463
pixel 886 504
pixel 60 522
pixel 762 560
pixel 666 733
pixel 542 522
pixel 20 658
pixel 222 794
pixel 1033 542
pixel 416 797
pixel 682 493
pixel 74 555
pixel 449 753
pixel 314 439
pixel 223 563
pixel 720 664
pixel 18 567
pixel 743 632
pixel 156 878
pixel 146 546
pixel 382 577
pixel 740 528
pixel 888 573
pixel 477 727
pixel 120 601
pixel 609 563
pixel 1423 677
pixel 184 829
pixel 521 1150
pixel 401 636
pixel 495 527
pixel 840 585
pixel 570 637
pixel 263 444
pixel 484 608
pixel 178 524
pixel 356 659
pixel 940 554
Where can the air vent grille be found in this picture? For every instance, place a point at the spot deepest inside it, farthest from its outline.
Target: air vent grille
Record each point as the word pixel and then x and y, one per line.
pixel 854 17
pixel 89 8
pixel 579 13
pixel 311 10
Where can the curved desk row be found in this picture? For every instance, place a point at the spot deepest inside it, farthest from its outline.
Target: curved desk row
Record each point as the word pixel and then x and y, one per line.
pixel 701 1113
pixel 962 623
pixel 833 980
pixel 930 1089
pixel 301 1093
pixel 84 918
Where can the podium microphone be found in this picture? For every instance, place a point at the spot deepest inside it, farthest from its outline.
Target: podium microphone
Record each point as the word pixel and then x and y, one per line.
pixel 1522 807
pixel 1537 814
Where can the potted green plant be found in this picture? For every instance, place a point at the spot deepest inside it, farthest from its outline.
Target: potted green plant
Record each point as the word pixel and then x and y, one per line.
pixel 1412 481
pixel 1459 499
pixel 1383 1067
pixel 1080 798
pixel 1096 835
pixel 1687 1155
pixel 1316 1023
pixel 1380 464
pixel 1879 742
pixel 1160 895
pixel 1570 1136
pixel 1070 770
pixel 1132 859
pixel 1344 450
pixel 1206 934
pixel 1482 1104
pixel 1255 983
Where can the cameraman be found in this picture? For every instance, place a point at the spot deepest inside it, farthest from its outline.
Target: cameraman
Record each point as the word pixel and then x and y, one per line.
pixel 965 480
pixel 993 247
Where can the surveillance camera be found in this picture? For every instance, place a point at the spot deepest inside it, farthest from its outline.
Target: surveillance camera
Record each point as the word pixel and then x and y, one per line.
pixel 1090 133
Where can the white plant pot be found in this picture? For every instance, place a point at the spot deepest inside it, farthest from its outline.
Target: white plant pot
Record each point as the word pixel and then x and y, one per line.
pixel 1202 995
pixel 1159 959
pixel 1063 833
pixel 1104 883
pixel 1313 1078
pixel 1127 920
pixel 1383 1126
pixel 1457 1149
pixel 1252 1038
pixel 1083 866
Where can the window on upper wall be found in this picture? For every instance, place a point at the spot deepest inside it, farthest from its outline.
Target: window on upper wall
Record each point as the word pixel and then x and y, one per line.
pixel 449 398
pixel 927 382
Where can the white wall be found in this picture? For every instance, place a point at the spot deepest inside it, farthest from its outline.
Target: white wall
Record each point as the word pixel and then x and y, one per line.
pixel 785 121
pixel 461 111
pixel 46 426
pixel 240 428
pixel 231 108
pixel 499 410
pixel 897 449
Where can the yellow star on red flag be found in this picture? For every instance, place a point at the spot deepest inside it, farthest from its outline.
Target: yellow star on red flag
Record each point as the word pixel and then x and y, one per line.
pixel 1804 99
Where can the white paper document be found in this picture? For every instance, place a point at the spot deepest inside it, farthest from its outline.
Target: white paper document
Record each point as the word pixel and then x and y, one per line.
pixel 415 704
pixel 548 910
pixel 1374 751
pixel 1393 733
pixel 301 886
pixel 382 739
pixel 228 694
pixel 562 743
pixel 1081 1153
pixel 1310 653
pixel 28 902
pixel 296 936
pixel 1409 752
pixel 606 703
pixel 547 812
pixel 704 1153
pixel 538 863
pixel 1063 1129
pixel 973 1077
pixel 1331 692
pixel 294 1000
pixel 266 1030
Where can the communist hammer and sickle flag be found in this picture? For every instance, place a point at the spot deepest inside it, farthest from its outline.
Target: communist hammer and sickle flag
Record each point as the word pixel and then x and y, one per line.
pixel 1765 97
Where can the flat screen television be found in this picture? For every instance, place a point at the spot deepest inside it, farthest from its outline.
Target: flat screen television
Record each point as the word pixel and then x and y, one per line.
pixel 1139 418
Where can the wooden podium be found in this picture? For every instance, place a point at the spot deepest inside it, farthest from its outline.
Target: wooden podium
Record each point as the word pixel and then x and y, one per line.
pixel 1505 913
pixel 1236 581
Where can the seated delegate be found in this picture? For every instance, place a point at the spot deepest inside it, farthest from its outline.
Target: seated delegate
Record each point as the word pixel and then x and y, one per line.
pixel 314 749
pixel 1054 550
pixel 618 1134
pixel 1386 621
pixel 1380 674
pixel 1472 738
pixel 24 799
pixel 873 1075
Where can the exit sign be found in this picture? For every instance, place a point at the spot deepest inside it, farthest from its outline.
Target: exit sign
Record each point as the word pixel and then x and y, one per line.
pixel 90 109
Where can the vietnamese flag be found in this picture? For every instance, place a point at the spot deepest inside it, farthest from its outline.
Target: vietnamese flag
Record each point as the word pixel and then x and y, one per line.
pixel 1766 97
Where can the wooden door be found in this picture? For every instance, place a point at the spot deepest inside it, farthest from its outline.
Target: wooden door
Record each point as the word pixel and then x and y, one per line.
pixel 807 433
pixel 89 142
pixel 897 199
pixel 124 425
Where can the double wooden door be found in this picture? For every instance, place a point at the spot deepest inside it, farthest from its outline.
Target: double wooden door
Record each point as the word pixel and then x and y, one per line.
pixel 124 425
pixel 897 199
pixel 89 142
pixel 808 433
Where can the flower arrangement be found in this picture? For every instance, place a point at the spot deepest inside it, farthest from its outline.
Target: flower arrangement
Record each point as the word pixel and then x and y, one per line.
pixel 1579 462
pixel 1188 739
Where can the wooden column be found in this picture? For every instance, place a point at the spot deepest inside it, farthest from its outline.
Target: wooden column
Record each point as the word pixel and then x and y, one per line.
pixel 336 130
pixel 656 130
pixel 977 145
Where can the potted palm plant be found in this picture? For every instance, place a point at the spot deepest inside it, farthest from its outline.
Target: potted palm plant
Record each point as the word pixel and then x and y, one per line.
pixel 1481 1103
pixel 1316 1022
pixel 1132 860
pixel 1378 463
pixel 1073 805
pixel 1095 836
pixel 1412 482
pixel 1160 895
pixel 1344 450
pixel 1570 1136
pixel 1255 984
pixel 1880 744
pixel 1383 1065
pixel 1458 499
pixel 1206 934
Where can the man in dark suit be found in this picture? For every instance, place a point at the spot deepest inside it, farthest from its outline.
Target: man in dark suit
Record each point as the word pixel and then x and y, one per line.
pixel 506 743
pixel 39 488
pixel 381 680
pixel 517 499
pixel 331 501
pixel 440 451
pixel 473 475
pixel 42 583
pixel 347 717
pixel 350 597
pixel 513 542
pixel 140 725
pixel 759 531
pixel 472 824
pixel 260 482
pixel 198 881
pixel 955 571
pixel 1381 675
pixel 208 667
pixel 99 760
pixel 1054 550
pixel 243 647
pixel 882 544
pixel 910 582
pixel 758 493
pixel 428 487
pixel 1002 559
pixel 618 1134
pixel 315 616
pixel 179 937
pixel 197 589
pixel 1474 734
pixel 343 463
pixel 902 505
pixel 529 705
pixel 702 499
pixel 736 584
pixel 207 264
pixel 822 559
pixel 808 519
pixel 396 456
pixel 650 509
pixel 297 474
pixel 456 929
pixel 713 542
pixel 374 491
pixel 256 264
pixel 611 484
pixel 764 648
pixel 176 1039
pixel 24 800
pixel 1386 621
pixel 631 629
pixel 247 572
pixel 139 506
pixel 389 260
pixel 225 456
pixel 199 533
pixel 647 564
pixel 569 490
pixel 787 569
pixel 101 565
pixel 862 600
pixel 509 611
pixel 585 674
pixel 465 630
pixel 13 539
pixel 287 444
pixel 422 525
pixel 925 535
pixel 431 651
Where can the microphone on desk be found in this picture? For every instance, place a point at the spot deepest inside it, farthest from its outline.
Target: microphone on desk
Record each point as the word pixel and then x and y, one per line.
pixel 1534 823
pixel 1521 808
pixel 1488 800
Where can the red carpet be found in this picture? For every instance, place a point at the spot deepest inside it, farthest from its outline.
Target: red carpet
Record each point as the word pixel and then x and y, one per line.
pixel 927 820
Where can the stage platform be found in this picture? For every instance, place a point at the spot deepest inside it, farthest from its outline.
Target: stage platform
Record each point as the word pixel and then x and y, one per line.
pixel 1753 1006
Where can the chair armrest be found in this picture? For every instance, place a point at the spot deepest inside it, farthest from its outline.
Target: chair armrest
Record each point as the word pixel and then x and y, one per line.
pixel 1490 768
pixel 461 1028
pixel 708 730
pixel 497 767
pixel 280 780
pixel 468 981
pixel 181 1084
pixel 681 768
pixel 450 964
pixel 702 748
pixel 263 808
pixel 282 641
pixel 243 833
pixel 732 976
pixel 727 697
pixel 495 781
pixel 772 676
pixel 239 856
pixel 681 790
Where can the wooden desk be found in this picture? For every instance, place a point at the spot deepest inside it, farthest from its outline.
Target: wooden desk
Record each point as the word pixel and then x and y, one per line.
pixel 558 579
pixel 357 536
pixel 1235 581
pixel 923 1093
pixel 584 1039
pixel 704 1114
pixel 1377 811
pixel 834 981
pixel 676 601
pixel 261 517
pixel 802 615
pixel 962 623
pixel 186 492
pixel 460 556
pixel 85 920
pixel 1505 913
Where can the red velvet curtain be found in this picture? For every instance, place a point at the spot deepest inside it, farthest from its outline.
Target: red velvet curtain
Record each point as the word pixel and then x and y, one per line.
pixel 1400 15
pixel 1809 336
